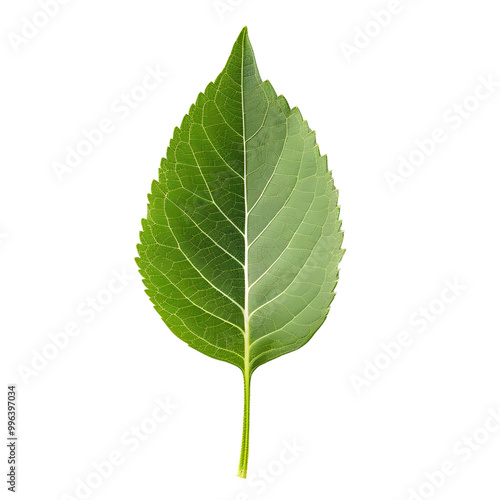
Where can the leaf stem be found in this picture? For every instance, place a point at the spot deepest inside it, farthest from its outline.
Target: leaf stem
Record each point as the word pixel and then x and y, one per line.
pixel 242 469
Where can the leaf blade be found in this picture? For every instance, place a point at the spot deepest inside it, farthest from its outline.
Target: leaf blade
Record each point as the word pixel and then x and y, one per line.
pixel 241 245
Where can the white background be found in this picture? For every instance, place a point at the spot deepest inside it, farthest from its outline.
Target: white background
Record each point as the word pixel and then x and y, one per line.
pixel 61 241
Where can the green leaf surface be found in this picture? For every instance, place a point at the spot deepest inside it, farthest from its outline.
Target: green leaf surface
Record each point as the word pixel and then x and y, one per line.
pixel 242 241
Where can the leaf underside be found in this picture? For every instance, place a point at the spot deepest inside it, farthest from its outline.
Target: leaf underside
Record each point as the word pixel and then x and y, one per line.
pixel 242 241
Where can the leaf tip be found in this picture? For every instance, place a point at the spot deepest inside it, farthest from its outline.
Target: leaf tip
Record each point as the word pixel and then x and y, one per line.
pixel 243 37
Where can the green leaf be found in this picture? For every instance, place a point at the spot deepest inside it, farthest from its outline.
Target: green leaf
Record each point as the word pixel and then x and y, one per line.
pixel 241 245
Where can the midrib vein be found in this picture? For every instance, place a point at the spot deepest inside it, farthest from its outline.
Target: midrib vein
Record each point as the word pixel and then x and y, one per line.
pixel 243 466
pixel 245 311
